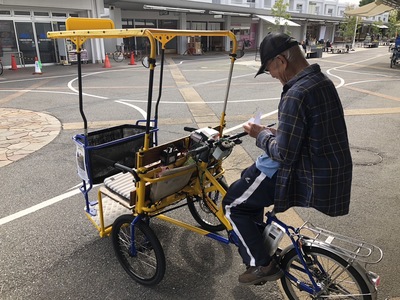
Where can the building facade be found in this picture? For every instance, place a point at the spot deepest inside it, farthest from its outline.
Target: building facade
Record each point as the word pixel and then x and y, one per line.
pixel 24 24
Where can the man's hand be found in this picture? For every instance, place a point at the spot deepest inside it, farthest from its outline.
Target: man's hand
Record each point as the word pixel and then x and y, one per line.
pixel 254 129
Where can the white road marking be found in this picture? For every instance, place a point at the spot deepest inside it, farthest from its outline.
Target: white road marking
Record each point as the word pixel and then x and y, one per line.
pixel 38 91
pixel 37 207
pixel 241 125
pixel 208 102
pixel 141 111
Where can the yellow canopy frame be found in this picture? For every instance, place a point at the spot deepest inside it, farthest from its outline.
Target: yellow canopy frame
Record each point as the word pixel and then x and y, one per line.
pixel 78 30
pixel 81 29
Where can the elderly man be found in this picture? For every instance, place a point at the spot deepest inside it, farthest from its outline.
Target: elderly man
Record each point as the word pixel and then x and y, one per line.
pixel 306 160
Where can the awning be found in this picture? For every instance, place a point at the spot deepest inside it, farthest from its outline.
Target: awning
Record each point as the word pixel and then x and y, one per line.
pixel 278 21
pixel 369 10
pixel 380 26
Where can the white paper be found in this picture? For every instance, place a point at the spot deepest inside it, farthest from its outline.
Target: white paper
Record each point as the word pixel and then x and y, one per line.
pixel 256 119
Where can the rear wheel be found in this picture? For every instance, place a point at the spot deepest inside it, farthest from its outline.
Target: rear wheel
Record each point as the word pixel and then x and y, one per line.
pixel 146 263
pixel 1 67
pixel 138 55
pixel 118 56
pixel 201 211
pixel 330 271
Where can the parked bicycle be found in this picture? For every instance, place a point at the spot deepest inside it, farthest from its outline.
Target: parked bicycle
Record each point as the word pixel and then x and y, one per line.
pixel 120 54
pixel 193 51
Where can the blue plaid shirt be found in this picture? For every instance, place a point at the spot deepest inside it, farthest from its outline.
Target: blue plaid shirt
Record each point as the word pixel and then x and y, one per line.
pixel 311 145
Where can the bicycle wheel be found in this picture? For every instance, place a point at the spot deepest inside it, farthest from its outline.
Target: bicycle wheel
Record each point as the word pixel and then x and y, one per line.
pixel 203 214
pixel 1 68
pixel 138 55
pixel 330 271
pixel 189 51
pixel 391 62
pixel 118 56
pixel 147 265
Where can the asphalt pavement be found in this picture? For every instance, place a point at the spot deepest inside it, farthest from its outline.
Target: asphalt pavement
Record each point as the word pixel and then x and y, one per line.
pixel 46 241
pixel 23 131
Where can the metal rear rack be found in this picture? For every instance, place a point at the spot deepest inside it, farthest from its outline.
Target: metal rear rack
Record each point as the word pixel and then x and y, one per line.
pixel 347 247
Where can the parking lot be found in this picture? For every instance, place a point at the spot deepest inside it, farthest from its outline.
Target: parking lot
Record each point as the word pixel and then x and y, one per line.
pixel 49 250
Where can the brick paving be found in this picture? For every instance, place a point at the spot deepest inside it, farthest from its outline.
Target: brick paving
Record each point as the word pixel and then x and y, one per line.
pixel 23 132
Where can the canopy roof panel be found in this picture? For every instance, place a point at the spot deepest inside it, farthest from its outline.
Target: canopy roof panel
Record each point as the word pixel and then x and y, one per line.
pixel 393 3
pixel 369 10
pixel 278 21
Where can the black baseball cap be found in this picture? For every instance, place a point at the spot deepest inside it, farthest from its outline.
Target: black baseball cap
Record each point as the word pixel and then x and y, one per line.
pixel 273 44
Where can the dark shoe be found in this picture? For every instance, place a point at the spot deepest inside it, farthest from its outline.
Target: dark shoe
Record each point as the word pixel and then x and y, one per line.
pixel 260 274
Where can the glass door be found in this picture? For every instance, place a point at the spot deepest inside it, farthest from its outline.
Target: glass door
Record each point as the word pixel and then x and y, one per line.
pixel 46 45
pixel 26 41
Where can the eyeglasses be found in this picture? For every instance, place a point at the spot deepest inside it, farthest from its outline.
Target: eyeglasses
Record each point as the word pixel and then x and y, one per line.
pixel 266 71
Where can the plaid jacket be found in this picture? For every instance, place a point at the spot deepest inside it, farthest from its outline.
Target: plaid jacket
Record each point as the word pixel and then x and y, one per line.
pixel 312 146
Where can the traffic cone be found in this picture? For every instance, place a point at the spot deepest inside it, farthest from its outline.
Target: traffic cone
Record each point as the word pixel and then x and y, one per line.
pixel 132 62
pixel 107 62
pixel 13 63
pixel 38 67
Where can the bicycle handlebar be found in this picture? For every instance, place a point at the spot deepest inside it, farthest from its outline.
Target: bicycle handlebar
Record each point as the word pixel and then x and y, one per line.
pixel 238 135
pixel 119 166
pixel 129 170
pixel 225 143
pixel 189 129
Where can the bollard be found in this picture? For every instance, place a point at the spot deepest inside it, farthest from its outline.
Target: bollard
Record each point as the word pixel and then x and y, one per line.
pixel 13 63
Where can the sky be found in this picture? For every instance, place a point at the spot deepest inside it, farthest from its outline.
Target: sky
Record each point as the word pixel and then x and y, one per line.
pixel 351 2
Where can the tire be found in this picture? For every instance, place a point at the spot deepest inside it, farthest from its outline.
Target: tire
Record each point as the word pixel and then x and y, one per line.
pixel 118 56
pixel 346 283
pixel 1 68
pixel 202 213
pixel 391 62
pixel 147 267
pixel 138 55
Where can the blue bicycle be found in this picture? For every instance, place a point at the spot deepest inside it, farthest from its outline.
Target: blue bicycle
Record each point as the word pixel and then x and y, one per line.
pixel 318 264
pixel 395 57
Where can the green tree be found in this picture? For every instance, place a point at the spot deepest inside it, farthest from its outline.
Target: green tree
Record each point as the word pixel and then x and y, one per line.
pixel 375 30
pixel 393 20
pixel 364 2
pixel 347 27
pixel 280 11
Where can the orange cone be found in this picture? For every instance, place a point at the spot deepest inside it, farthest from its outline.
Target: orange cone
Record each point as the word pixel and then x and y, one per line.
pixel 107 62
pixel 13 63
pixel 132 62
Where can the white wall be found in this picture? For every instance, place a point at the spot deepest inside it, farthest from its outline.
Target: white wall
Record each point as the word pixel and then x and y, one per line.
pixel 70 4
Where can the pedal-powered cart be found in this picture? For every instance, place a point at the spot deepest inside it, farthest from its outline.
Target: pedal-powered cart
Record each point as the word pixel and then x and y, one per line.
pixel 140 179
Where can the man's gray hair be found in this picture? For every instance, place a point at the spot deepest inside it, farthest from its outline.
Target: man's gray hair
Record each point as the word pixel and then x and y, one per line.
pixel 292 54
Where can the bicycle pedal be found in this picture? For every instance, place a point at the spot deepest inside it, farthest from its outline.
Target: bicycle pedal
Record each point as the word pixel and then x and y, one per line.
pixel 261 283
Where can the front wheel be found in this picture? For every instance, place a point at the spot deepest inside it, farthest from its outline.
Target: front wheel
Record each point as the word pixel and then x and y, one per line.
pixel 1 68
pixel 203 214
pixel 145 261
pixel 118 56
pixel 335 277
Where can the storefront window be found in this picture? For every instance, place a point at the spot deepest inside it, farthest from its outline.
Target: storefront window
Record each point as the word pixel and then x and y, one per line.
pixel 26 41
pixel 7 39
pixel 22 13
pixel 168 24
